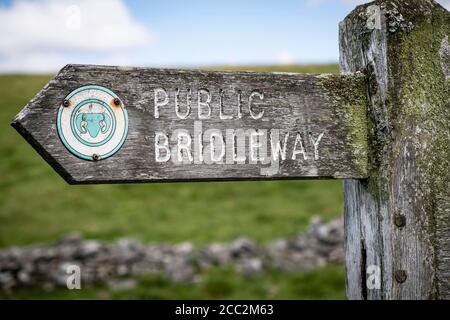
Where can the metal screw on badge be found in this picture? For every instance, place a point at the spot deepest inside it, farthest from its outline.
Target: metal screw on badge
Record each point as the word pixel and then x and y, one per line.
pixel 95 157
pixel 117 101
pixel 66 103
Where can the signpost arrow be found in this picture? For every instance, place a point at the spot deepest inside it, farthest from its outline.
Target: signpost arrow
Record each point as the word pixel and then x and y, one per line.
pixel 96 124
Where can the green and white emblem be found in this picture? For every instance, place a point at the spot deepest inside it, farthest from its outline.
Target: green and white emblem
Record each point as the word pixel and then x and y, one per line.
pixel 92 122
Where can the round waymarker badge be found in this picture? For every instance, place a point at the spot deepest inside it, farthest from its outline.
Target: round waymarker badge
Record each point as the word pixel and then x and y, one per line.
pixel 92 123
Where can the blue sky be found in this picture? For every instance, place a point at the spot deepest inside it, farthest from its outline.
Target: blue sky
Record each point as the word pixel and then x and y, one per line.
pixel 42 36
pixel 243 32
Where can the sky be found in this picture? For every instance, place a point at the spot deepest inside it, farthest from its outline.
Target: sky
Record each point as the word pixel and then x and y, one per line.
pixel 41 36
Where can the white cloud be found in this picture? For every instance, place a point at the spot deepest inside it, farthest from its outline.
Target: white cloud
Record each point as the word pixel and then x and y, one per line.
pixel 285 57
pixel 45 35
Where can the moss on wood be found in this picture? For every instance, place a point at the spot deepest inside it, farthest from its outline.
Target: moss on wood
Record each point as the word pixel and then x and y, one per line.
pixel 350 99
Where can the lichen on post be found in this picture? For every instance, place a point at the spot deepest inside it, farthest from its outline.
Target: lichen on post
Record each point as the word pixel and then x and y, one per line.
pixel 398 220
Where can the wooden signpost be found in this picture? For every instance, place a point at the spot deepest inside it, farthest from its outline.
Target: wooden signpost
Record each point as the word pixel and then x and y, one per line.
pixel 197 125
pixel 383 125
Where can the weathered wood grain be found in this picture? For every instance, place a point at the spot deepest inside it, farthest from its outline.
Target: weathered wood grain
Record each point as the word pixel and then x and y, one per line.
pixel 333 106
pixel 398 218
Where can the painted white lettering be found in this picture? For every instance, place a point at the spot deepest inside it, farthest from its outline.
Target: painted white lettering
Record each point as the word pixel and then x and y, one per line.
pixel 255 144
pixel 204 104
pixel 295 152
pixel 277 150
pixel 184 144
pixel 217 146
pixel 188 104
pixel 223 116
pixel 164 145
pixel 160 102
pixel 316 145
pixel 253 95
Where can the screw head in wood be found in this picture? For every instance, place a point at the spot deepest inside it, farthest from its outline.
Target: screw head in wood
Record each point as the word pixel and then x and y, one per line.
pixel 399 220
pixel 117 101
pixel 400 276
pixel 66 103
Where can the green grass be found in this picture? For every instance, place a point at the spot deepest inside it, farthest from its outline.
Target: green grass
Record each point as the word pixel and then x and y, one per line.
pixel 36 205
pixel 218 283
pixel 312 68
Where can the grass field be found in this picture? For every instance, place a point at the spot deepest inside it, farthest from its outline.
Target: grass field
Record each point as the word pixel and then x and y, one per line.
pixel 36 205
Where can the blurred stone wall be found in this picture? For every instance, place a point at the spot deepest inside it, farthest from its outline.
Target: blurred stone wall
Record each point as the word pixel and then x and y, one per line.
pixel 46 266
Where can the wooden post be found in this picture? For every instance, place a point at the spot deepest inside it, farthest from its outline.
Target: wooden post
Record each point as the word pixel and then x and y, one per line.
pixel 398 220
